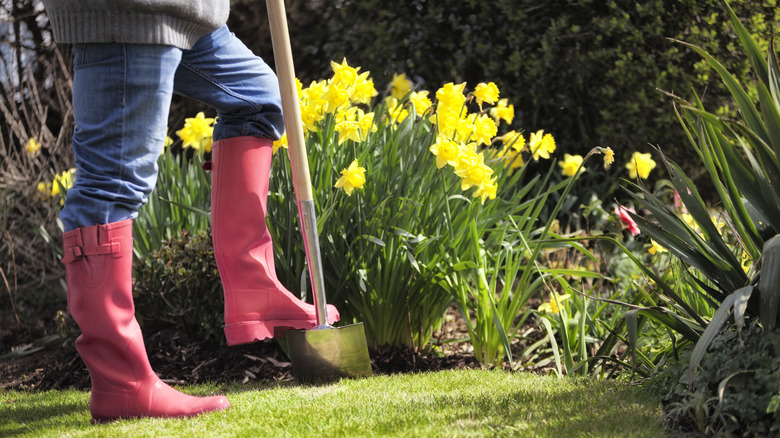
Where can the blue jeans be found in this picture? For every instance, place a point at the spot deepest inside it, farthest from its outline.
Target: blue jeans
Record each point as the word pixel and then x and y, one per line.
pixel 121 98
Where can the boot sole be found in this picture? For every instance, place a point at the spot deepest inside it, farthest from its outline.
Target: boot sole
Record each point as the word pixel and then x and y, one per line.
pixel 249 332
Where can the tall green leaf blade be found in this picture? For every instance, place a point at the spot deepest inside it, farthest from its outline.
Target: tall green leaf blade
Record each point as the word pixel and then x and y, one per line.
pixel 762 194
pixel 751 48
pixel 769 284
pixel 696 208
pixel 671 320
pixel 774 74
pixel 771 116
pixel 720 317
pixel 749 112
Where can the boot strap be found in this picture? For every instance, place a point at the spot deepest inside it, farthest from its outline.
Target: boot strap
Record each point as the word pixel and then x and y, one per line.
pixel 78 252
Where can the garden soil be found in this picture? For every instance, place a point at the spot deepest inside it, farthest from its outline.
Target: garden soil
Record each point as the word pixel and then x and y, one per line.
pixel 179 359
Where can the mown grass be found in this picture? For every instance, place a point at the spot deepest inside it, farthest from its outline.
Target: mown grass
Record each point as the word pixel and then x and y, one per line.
pixel 451 403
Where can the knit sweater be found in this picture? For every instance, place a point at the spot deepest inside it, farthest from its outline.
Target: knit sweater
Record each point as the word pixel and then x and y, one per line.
pixel 177 23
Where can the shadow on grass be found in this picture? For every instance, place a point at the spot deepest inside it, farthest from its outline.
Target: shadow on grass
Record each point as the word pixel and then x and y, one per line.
pixel 29 417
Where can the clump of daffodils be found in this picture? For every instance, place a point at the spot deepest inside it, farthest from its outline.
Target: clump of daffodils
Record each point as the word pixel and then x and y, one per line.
pixel 461 134
pixel 462 137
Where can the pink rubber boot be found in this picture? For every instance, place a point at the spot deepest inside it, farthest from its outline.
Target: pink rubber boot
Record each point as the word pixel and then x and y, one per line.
pixel 98 264
pixel 256 303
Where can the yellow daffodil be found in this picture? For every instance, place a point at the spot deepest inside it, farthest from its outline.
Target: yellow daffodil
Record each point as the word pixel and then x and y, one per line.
pixel 396 112
pixel 690 221
pixel 353 177
pixel 503 111
pixel 486 93
pixel 447 121
pixel 451 96
pixel 514 140
pixel 166 144
pixel 197 132
pixel 364 89
pixel 467 154
pixel 655 248
pixel 348 130
pixel 420 101
pixel 281 143
pixel 514 143
pixel 553 305
pixel 310 115
pixel 344 76
pixel 336 98
pixel 548 143
pixel 516 162
pixel 487 189
pixel 463 130
pixel 609 156
pixel 353 124
pixel 446 151
pixel 746 262
pixel 484 129
pixel 366 122
pixel 570 164
pixel 541 145
pixel 313 102
pixel 400 86
pixel 63 181
pixel 640 165
pixel 314 94
pixel 44 190
pixel 33 147
pixel 473 172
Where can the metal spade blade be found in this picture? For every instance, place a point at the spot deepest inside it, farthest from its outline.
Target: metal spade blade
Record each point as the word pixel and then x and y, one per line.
pixel 329 353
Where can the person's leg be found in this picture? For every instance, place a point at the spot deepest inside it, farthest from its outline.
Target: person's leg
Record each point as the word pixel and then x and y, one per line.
pixel 121 99
pixel 221 72
pixel 121 96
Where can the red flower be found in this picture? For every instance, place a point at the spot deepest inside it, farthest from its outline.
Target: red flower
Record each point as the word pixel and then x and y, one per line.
pixel 626 219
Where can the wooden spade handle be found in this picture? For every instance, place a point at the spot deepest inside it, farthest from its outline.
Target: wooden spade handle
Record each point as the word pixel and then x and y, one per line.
pixel 296 148
pixel 285 71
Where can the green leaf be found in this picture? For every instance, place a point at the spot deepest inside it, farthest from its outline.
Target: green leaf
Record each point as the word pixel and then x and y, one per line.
pixel 572 272
pixel 718 319
pixel 553 344
pixel 696 208
pixel 769 283
pixel 757 60
pixel 374 240
pixel 501 332
pixel 748 109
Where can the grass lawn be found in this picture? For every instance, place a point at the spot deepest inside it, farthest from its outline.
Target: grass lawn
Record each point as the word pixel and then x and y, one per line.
pixel 449 403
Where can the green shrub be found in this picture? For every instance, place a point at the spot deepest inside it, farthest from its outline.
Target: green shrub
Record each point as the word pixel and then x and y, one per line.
pixel 735 393
pixel 179 284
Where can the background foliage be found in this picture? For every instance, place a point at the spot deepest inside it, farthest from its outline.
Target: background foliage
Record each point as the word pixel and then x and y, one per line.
pixel 587 70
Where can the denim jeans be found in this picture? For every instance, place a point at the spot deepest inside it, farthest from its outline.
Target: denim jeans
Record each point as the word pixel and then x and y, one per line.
pixel 121 99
